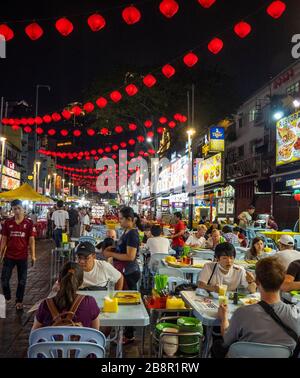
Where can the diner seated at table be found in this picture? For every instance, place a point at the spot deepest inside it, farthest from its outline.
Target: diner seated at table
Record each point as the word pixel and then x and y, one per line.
pixel 256 250
pixel 224 272
pixel 287 254
pixel 97 273
pixel 253 323
pixel 157 243
pixel 292 277
pixel 86 313
pixel 214 239
pixel 229 236
pixel 241 237
pixel 111 234
pixel 99 249
pixel 214 226
pixel 198 239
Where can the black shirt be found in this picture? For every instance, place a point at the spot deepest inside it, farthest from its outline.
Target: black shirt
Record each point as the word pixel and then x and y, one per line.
pixel 129 239
pixel 73 217
pixel 294 270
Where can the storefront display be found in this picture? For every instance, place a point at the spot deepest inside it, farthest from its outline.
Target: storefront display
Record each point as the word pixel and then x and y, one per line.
pixel 209 171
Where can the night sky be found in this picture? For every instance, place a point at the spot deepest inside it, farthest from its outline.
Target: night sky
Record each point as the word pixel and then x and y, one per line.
pixel 69 65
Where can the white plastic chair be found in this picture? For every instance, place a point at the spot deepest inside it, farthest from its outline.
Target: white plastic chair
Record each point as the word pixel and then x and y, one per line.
pixel 171 272
pixel 84 334
pixel 244 349
pixel 65 349
pixel 155 262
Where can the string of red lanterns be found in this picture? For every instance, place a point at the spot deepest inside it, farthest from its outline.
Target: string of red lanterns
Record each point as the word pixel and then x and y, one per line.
pixel 242 29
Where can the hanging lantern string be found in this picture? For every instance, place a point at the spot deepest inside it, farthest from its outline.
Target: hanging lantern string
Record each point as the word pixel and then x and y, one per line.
pixel 77 15
pixel 204 43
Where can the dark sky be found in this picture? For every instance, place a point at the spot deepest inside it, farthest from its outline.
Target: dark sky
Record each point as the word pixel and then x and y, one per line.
pixel 70 64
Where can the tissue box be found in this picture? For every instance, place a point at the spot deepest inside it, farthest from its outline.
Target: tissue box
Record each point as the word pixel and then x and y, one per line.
pixel 110 305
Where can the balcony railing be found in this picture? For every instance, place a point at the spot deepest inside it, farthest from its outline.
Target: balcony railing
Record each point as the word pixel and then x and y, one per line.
pixel 259 166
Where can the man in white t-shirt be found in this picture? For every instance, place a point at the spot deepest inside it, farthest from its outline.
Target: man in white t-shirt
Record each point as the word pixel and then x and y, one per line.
pixel 198 239
pixel 287 252
pixel 60 220
pixel 97 273
pixel 84 223
pixel 157 243
pixel 225 272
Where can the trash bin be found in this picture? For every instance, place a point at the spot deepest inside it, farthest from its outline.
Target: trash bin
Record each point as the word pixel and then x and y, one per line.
pixel 189 324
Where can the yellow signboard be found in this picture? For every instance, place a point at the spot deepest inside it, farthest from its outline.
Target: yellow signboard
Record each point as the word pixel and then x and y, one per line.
pixel 210 170
pixel 217 139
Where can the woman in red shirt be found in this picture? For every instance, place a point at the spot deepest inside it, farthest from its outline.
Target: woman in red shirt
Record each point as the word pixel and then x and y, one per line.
pixel 179 230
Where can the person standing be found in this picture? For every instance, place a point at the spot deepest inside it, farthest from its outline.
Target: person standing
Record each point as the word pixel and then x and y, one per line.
pixel 73 222
pixel 60 219
pixel 179 230
pixel 84 223
pixel 245 217
pixel 18 233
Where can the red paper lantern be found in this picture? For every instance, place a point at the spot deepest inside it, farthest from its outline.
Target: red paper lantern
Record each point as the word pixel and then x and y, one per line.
pixel 64 133
pixel 115 147
pixel 131 154
pixel 96 22
pixel 34 31
pixel 168 71
pixel 91 132
pixel 190 59
pixel 51 132
pixel 119 129
pixel 276 9
pixel 7 32
pixel 116 96
pixel 172 124
pixel 150 134
pixel 206 3
pixel 149 81
pixel 31 121
pixel 76 110
pixel 39 130
pixel 100 151
pixel 148 123
pixel 101 102
pixel 93 152
pixel 151 151
pixel 141 153
pixel 64 26
pixel 15 127
pixel 297 197
pixel 77 133
pixel 163 120
pixel 183 119
pixel 5 121
pixel 215 45
pixel 123 144
pixel 242 29
pixel 131 90
pixel 104 131
pixel 56 117
pixel 131 142
pixel 88 107
pixel 160 130
pixel 177 117
pixel 66 114
pixel 47 118
pixel 107 149
pixel 114 156
pixel 132 126
pixel 131 15
pixel 168 8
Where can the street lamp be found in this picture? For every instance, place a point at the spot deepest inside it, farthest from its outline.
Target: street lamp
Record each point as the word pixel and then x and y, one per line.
pixel 3 140
pixel 70 189
pixel 54 189
pixel 190 133
pixel 37 181
pixel 63 187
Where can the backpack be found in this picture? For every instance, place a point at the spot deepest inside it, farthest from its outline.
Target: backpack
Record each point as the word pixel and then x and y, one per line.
pixel 64 319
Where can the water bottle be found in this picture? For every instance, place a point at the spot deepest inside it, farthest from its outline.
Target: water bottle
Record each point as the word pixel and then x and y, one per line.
pixel 110 289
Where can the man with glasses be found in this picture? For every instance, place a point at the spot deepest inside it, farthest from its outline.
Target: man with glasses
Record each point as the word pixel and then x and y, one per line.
pixel 97 273
pixel 18 233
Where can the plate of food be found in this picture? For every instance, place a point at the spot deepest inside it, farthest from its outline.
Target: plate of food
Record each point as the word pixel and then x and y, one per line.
pixel 177 264
pixel 285 152
pixel 286 136
pixel 248 301
pixel 128 298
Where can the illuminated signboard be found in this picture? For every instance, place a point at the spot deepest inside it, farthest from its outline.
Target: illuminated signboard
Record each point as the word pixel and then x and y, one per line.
pixel 10 183
pixel 62 144
pixel 217 139
pixel 179 173
pixel 210 170
pixel 165 203
pixel 288 139
pixel 11 173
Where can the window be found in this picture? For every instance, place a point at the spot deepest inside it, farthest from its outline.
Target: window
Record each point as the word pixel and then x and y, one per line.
pixel 252 114
pixel 241 151
pixel 293 89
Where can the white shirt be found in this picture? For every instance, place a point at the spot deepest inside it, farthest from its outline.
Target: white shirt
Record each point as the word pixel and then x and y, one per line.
pixel 199 242
pixel 158 245
pixel 85 220
pixel 101 273
pixel 287 256
pixel 234 278
pixel 59 218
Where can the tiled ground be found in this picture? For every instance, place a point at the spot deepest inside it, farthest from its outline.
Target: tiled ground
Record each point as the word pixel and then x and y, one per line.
pixel 15 329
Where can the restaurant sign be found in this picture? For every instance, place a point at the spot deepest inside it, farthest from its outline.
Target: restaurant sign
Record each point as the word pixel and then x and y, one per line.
pixel 217 139
pixel 209 171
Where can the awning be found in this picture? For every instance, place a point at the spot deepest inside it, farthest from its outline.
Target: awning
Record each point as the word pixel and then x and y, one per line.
pixel 25 193
pixel 279 177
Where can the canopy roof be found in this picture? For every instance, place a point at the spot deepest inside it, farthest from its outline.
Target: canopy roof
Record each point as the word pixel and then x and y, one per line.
pixel 24 193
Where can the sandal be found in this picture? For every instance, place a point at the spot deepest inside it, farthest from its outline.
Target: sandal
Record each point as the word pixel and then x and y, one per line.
pixel 19 306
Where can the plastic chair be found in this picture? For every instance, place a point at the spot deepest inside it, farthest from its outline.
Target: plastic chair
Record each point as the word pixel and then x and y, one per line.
pixel 297 242
pixel 155 262
pixel 287 230
pixel 171 272
pixel 65 349
pixel 88 239
pixel 49 334
pixel 244 349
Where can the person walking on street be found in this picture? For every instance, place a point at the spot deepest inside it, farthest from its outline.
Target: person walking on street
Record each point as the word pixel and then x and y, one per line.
pixel 74 222
pixel 18 233
pixel 177 238
pixel 60 219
